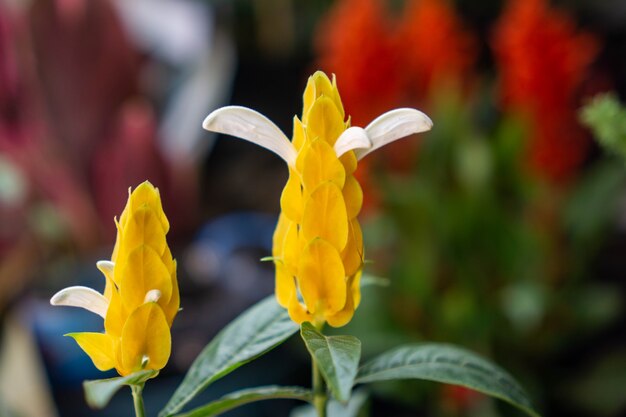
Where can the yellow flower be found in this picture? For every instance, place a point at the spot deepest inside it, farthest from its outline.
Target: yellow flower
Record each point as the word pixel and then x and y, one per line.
pixel 318 245
pixel 140 298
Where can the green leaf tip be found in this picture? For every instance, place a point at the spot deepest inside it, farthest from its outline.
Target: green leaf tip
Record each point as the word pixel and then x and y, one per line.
pixel 337 358
pixel 99 392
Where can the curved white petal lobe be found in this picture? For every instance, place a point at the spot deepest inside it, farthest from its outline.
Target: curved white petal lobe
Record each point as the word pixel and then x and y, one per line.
pixel 351 139
pixel 106 267
pixel 394 125
pixel 250 125
pixel 83 297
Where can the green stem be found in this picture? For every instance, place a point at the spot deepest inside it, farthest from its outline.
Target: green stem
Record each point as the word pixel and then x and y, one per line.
pixel 138 400
pixel 320 398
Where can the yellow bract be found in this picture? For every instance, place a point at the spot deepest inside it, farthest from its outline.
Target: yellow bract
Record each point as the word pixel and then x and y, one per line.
pixel 141 289
pixel 318 246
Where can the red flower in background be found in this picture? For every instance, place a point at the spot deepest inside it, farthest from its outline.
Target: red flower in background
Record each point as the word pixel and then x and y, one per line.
pixel 435 47
pixel 460 400
pixel 542 61
pixel 355 42
pixel 436 52
pixel 383 63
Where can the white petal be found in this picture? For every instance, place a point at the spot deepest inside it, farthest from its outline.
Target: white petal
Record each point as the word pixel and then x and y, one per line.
pixel 394 125
pixel 106 267
pixel 352 138
pixel 83 297
pixel 248 124
pixel 152 296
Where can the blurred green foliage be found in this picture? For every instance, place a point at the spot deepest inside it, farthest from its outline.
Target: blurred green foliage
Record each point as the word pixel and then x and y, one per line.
pixel 607 119
pixel 600 388
pixel 482 253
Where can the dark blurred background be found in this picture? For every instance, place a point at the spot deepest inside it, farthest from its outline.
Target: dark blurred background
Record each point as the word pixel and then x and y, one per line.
pixel 502 230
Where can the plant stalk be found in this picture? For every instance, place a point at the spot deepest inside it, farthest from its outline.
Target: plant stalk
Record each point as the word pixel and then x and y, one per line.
pixel 138 400
pixel 320 397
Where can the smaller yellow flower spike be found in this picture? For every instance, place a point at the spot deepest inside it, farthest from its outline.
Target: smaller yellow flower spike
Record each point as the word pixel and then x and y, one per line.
pixel 318 244
pixel 141 296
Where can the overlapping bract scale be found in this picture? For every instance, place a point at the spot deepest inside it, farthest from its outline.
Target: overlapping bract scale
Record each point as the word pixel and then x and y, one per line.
pixel 318 246
pixel 141 290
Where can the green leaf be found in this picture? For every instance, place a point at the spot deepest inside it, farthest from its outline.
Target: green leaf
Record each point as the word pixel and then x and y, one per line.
pixel 335 408
pixel 450 365
pixel 239 398
pixel 337 358
pixel 98 393
pixel 255 332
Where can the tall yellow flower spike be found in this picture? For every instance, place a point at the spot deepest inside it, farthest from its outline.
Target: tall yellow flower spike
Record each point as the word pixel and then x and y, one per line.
pixel 318 245
pixel 140 298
